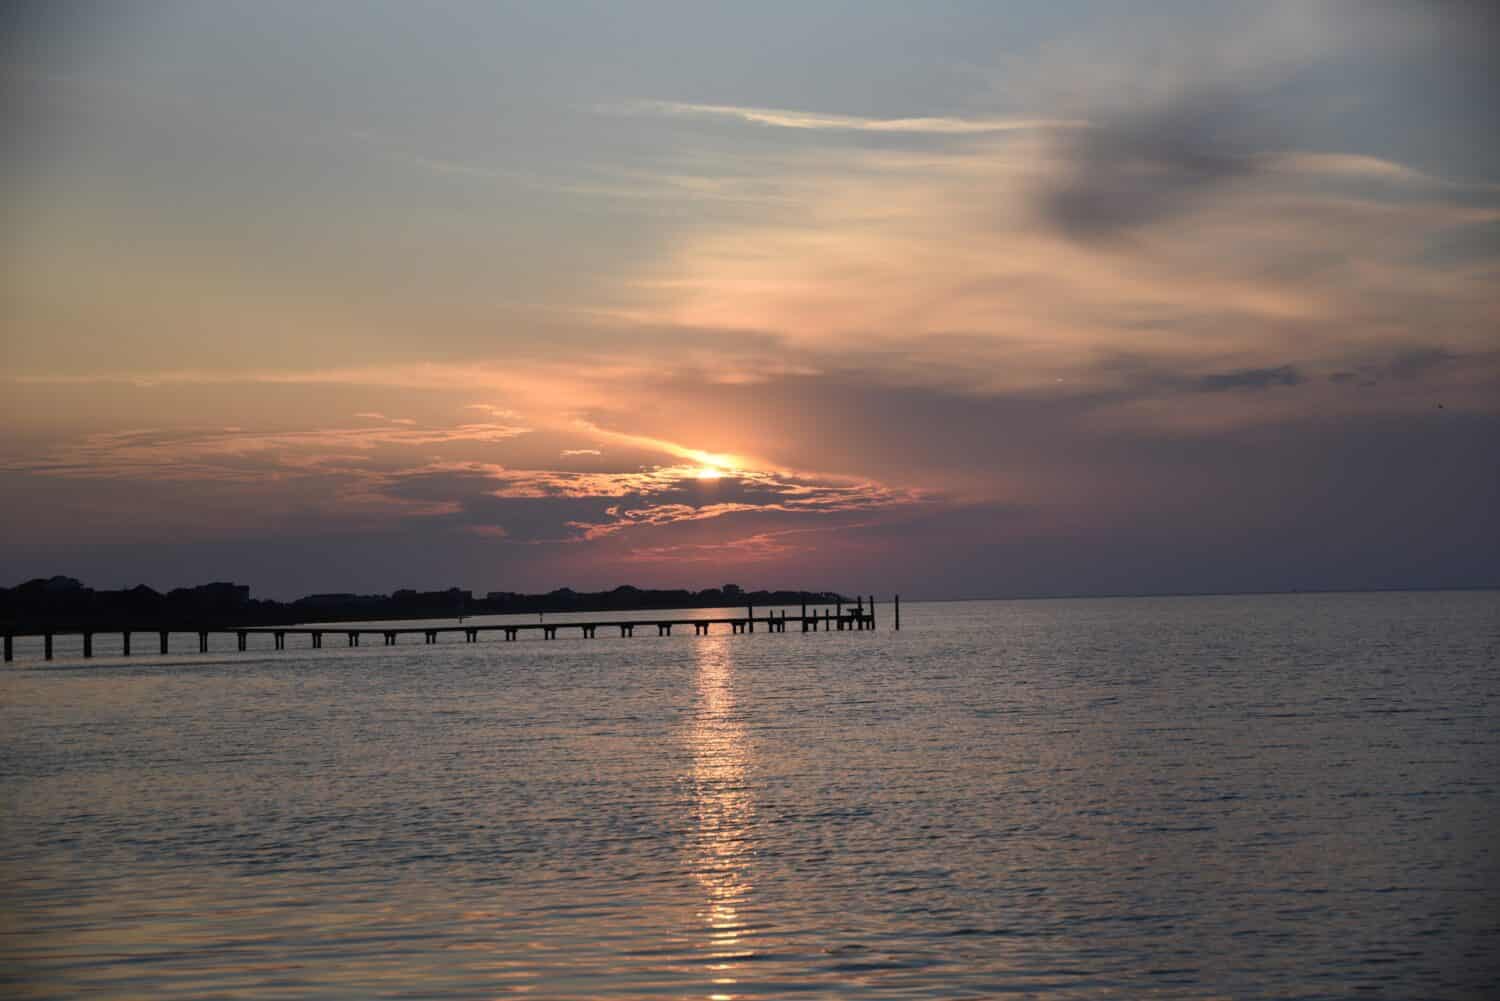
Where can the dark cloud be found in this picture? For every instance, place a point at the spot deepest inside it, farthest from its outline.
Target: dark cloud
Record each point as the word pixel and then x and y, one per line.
pixel 1409 365
pixel 1144 377
pixel 1145 166
pixel 1250 378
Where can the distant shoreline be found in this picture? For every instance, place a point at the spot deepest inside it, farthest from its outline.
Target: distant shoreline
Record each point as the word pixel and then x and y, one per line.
pixel 64 603
pixel 1082 596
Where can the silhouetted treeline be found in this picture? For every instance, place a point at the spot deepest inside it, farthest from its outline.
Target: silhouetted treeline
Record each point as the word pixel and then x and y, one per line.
pixel 64 602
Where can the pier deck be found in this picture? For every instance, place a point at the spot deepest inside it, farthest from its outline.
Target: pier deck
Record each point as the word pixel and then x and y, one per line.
pixel 857 617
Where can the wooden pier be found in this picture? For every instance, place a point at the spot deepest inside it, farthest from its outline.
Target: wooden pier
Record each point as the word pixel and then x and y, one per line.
pixel 857 617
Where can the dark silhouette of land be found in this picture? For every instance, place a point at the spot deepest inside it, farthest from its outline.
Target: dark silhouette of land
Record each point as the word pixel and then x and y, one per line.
pixel 64 603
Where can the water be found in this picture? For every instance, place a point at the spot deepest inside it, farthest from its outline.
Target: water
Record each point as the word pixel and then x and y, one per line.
pixel 1285 796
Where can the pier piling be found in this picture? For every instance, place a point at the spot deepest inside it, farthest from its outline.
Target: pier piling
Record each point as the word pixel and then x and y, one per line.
pixel 124 644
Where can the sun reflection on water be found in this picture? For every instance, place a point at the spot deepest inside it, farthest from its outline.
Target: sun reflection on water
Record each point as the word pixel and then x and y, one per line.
pixel 721 848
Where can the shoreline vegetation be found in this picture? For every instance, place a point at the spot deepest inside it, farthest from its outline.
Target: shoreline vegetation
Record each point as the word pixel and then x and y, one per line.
pixel 66 603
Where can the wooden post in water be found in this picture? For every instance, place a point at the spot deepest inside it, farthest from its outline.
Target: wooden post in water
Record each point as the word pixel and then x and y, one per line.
pixel 750 622
pixel 898 613
pixel 162 634
pixel 125 643
pixel 872 611
pixel 10 647
pixel 47 646
pixel 88 644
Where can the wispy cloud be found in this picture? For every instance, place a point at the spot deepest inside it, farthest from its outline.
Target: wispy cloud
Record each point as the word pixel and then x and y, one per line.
pixel 237 454
pixel 1349 166
pixel 536 506
pixel 790 119
pixel 376 416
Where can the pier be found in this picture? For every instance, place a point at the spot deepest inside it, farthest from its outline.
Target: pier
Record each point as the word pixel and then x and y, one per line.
pixel 858 617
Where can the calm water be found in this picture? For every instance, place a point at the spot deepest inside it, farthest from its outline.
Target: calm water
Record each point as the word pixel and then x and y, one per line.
pixel 1291 796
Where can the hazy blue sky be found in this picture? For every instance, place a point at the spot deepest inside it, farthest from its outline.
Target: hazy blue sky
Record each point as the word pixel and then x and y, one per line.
pixel 946 298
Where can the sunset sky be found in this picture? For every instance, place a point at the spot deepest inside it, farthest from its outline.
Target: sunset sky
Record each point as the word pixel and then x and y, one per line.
pixel 941 298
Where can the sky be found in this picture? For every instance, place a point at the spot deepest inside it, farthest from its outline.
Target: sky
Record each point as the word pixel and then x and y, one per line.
pixel 946 299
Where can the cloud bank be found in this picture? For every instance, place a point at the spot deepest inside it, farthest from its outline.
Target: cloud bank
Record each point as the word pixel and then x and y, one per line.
pixel 1156 308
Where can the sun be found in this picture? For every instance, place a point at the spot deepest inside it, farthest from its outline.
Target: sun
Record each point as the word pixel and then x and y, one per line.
pixel 709 473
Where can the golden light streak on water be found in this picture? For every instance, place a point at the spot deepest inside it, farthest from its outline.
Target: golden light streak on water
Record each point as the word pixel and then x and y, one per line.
pixel 721 847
